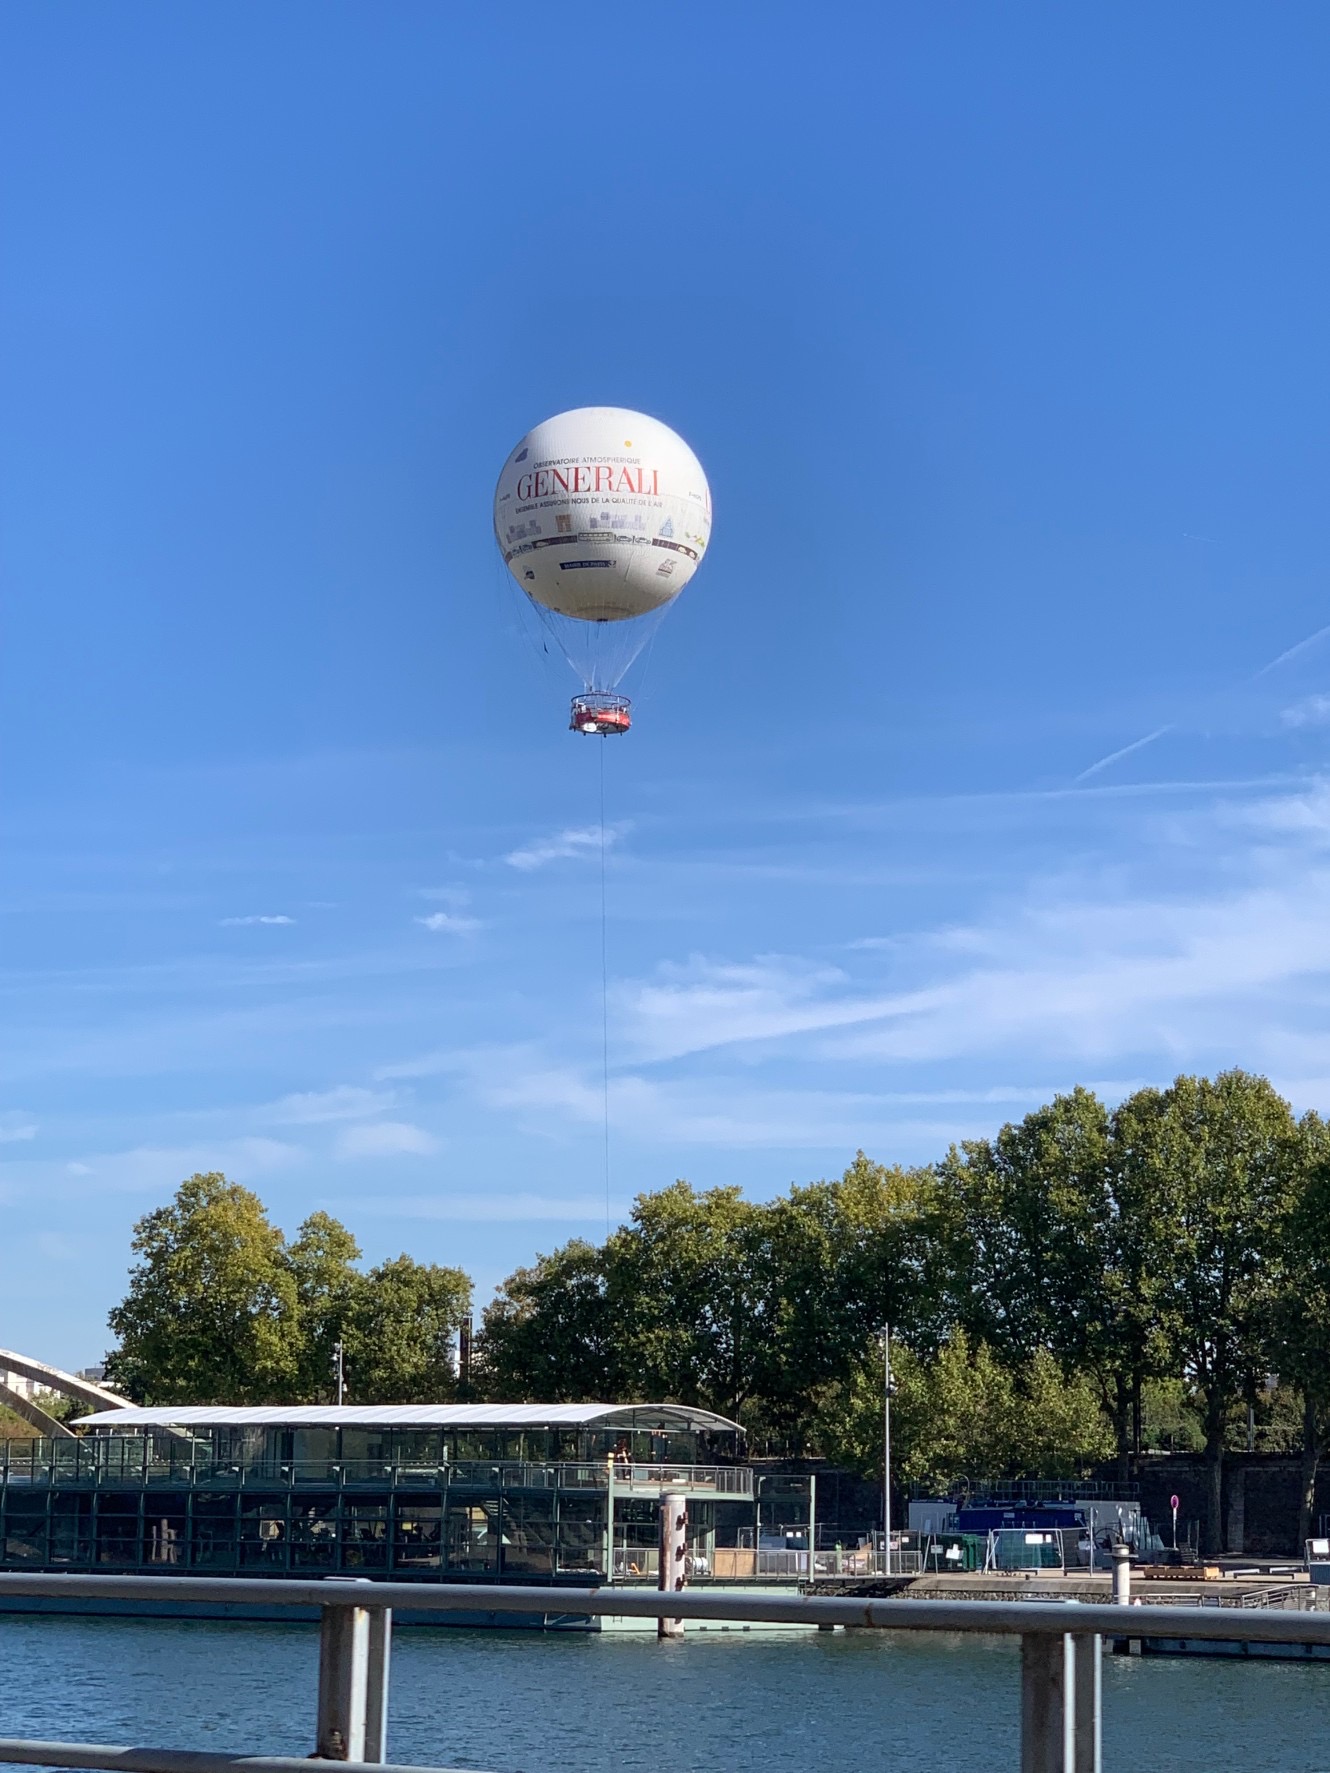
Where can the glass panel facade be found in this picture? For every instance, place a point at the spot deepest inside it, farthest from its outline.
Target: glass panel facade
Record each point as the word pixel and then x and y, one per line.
pixel 165 1535
pixel 263 1530
pixel 71 1528
pixel 117 1528
pixel 314 1534
pixel 25 1529
pixel 212 1542
pixel 273 1501
pixel 473 1540
pixel 364 1534
pixel 529 1536
pixel 417 1535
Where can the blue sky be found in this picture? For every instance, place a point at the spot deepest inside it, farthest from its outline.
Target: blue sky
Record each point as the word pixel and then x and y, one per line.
pixel 1001 334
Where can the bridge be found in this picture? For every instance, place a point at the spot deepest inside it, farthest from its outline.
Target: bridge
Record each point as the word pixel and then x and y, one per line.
pixel 55 1379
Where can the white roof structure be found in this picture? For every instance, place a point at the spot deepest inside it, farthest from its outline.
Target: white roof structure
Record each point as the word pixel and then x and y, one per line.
pixel 459 1416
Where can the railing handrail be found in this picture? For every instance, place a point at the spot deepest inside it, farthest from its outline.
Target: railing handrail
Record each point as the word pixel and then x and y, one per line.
pixel 581 1474
pixel 113 1757
pixel 1000 1618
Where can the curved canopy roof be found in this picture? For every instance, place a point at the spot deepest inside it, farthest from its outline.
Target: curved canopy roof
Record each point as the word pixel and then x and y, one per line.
pixel 457 1416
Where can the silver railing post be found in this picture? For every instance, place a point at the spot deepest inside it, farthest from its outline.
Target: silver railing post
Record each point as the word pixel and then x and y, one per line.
pixel 1087 1701
pixel 1046 1715
pixel 376 1696
pixel 1060 1703
pixel 343 1683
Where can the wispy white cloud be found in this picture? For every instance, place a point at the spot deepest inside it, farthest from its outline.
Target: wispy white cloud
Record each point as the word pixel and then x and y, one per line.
pixel 571 844
pixel 1310 711
pixel 560 1100
pixel 153 1168
pixel 16 1126
pixel 386 1138
pixel 231 922
pixel 344 1102
pixel 453 923
pixel 706 1004
pixel 1087 967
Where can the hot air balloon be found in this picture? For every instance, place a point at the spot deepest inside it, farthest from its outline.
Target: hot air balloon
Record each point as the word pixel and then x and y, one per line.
pixel 602 516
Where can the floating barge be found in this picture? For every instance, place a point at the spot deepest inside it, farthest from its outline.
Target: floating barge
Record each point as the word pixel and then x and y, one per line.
pixel 517 1493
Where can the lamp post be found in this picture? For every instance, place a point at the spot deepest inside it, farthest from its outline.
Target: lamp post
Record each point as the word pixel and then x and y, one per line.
pixel 888 1386
pixel 339 1371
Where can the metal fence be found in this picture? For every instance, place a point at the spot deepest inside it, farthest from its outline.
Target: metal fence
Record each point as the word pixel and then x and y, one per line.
pixel 1060 1652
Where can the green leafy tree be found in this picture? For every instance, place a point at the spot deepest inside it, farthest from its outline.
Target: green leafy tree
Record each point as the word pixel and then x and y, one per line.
pixel 963 1416
pixel 400 1331
pixel 321 1263
pixel 1043 1248
pixel 1299 1315
pixel 844 1258
pixel 550 1334
pixel 222 1310
pixel 689 1282
pixel 1217 1162
pixel 211 1315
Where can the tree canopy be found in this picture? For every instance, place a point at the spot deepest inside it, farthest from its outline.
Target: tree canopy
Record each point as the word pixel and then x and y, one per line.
pixel 1085 1278
pixel 1055 1290
pixel 223 1309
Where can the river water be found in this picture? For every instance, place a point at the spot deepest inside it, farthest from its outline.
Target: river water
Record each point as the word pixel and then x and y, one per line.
pixel 521 1702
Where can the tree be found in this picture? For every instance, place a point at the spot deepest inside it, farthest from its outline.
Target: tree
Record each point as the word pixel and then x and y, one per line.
pixel 1043 1250
pixel 400 1332
pixel 320 1262
pixel 845 1258
pixel 706 1298
pixel 211 1315
pixel 549 1334
pixel 221 1310
pixel 963 1415
pixel 1216 1160
pixel 689 1287
pixel 1299 1318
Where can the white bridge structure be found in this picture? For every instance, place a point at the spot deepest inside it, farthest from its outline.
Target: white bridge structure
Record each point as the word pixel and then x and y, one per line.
pixel 47 1378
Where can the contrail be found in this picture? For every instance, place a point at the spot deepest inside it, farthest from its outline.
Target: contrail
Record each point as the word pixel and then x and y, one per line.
pixel 1293 651
pixel 1126 751
pixel 1149 739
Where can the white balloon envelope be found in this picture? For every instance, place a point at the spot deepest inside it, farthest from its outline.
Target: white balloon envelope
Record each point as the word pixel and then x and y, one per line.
pixel 602 516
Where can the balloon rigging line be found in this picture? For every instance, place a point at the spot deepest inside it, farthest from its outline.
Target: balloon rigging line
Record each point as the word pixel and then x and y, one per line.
pixel 604 991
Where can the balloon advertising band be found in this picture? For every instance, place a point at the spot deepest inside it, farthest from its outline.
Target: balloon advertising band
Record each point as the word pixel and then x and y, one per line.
pixel 602 516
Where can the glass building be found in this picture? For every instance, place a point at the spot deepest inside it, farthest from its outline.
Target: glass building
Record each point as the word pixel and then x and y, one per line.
pixel 542 1493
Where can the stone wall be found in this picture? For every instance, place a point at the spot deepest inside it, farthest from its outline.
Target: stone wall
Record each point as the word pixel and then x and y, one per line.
pixel 1261 1496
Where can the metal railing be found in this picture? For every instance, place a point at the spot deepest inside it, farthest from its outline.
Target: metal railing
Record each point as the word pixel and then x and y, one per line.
pixel 99 1464
pixel 1060 1667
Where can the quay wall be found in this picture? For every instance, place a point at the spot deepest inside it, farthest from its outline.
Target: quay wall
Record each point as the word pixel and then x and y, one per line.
pixel 1261 1498
pixel 1262 1493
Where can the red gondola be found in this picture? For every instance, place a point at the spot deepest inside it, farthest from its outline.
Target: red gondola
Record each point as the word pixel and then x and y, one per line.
pixel 603 714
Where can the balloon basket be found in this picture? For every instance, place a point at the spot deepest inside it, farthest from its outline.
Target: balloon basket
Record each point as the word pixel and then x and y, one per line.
pixel 601 714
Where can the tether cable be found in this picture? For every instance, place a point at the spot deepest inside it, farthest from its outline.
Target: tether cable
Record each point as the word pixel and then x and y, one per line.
pixel 604 990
